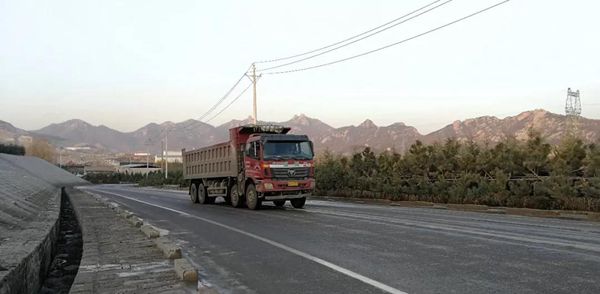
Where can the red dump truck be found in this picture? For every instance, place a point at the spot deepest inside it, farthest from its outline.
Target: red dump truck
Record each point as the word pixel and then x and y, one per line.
pixel 259 163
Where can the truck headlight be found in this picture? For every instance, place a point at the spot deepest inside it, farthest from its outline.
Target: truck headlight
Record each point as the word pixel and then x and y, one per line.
pixel 268 186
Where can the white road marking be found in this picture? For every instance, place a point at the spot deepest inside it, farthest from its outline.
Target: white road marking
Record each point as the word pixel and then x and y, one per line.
pixel 328 264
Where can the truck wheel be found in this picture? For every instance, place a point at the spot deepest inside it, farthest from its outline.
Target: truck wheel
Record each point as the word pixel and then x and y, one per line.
pixel 252 200
pixel 194 193
pixel 279 203
pixel 236 198
pixel 202 197
pixel 298 202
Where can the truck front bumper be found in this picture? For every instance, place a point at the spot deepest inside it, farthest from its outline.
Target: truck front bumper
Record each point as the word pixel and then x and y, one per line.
pixel 283 190
pixel 285 197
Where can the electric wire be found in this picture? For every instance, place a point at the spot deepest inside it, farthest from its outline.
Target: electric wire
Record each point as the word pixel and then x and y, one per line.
pixel 389 45
pixel 222 98
pixel 357 40
pixel 230 103
pixel 347 39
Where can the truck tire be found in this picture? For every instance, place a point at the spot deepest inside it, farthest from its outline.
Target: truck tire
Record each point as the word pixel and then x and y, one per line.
pixel 235 197
pixel 252 200
pixel 194 193
pixel 202 197
pixel 279 203
pixel 298 202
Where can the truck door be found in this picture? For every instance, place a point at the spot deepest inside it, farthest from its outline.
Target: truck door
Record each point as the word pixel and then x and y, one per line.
pixel 252 160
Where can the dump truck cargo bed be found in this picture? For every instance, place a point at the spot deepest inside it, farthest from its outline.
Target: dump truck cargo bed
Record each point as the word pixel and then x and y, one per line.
pixel 218 160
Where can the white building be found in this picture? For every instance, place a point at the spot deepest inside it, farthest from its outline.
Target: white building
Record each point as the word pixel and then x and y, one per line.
pixel 169 156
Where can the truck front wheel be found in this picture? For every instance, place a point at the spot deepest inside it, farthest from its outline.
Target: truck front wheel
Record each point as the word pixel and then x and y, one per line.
pixel 235 197
pixel 202 197
pixel 252 200
pixel 194 193
pixel 298 202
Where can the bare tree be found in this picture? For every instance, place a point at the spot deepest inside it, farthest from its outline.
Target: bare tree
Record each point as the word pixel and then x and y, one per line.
pixel 40 148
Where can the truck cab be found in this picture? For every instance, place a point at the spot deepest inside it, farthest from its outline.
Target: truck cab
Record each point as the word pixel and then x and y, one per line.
pixel 280 166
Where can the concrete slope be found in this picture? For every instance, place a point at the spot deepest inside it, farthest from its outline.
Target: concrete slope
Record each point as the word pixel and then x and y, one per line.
pixel 29 211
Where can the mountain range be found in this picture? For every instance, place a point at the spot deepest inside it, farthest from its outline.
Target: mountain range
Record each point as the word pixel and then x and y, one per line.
pixel 398 136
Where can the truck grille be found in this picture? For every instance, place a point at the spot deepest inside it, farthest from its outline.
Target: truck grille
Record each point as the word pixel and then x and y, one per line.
pixel 290 173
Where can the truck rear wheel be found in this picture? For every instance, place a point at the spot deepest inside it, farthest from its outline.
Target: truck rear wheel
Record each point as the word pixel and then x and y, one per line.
pixel 202 197
pixel 298 202
pixel 252 200
pixel 235 197
pixel 279 203
pixel 194 193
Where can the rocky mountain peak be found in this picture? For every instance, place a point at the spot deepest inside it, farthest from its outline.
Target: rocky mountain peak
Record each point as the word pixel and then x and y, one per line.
pixel 367 124
pixel 301 119
pixel 75 124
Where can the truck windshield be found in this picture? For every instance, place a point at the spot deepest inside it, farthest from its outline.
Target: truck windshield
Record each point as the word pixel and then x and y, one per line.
pixel 287 150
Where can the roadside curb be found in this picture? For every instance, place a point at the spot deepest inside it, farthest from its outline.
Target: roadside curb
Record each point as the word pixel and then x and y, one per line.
pixel 185 271
pixel 169 249
pixel 150 231
pixel 560 214
pixel 182 267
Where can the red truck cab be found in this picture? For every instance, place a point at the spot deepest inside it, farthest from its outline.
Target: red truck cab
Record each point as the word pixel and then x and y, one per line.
pixel 281 167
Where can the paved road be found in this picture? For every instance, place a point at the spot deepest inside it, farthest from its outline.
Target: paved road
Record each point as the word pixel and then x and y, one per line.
pixel 341 247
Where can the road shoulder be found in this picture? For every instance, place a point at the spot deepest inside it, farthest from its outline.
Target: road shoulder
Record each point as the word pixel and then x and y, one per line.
pixel 118 257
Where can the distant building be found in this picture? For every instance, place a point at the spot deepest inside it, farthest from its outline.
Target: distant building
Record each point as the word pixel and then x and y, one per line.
pixel 77 148
pixel 99 170
pixel 138 168
pixel 169 156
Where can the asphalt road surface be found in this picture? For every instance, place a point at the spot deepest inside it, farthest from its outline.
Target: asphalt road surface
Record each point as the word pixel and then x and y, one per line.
pixel 343 247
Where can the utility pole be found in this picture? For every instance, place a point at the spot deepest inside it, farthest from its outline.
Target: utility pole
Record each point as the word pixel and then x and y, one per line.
pixel 147 157
pixel 254 93
pixel 162 155
pixel 167 155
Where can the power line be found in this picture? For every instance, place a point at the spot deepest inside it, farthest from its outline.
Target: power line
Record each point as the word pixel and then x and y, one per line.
pixel 223 98
pixel 348 39
pixel 360 39
pixel 230 103
pixel 389 45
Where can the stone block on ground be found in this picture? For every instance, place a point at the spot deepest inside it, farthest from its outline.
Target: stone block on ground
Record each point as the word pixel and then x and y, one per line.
pixel 169 249
pixel 150 231
pixel 185 271
pixel 135 221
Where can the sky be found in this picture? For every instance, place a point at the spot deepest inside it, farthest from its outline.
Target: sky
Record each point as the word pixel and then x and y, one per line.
pixel 124 64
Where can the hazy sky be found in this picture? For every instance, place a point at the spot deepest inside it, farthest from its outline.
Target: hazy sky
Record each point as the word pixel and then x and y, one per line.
pixel 126 63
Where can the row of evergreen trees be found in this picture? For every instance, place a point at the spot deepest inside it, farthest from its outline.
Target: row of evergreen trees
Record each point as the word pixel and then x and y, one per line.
pixel 153 178
pixel 12 149
pixel 513 173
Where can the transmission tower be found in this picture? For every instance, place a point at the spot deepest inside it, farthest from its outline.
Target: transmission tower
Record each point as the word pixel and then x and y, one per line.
pixel 573 111
pixel 573 105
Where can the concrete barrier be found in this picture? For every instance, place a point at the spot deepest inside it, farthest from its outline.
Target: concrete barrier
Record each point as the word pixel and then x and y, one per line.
pixel 150 231
pixel 135 221
pixel 185 271
pixel 169 249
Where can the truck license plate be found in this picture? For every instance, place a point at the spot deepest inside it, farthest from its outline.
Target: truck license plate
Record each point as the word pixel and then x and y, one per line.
pixel 293 184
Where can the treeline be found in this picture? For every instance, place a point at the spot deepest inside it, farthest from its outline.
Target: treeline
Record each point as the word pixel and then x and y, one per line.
pixel 153 178
pixel 532 174
pixel 12 149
